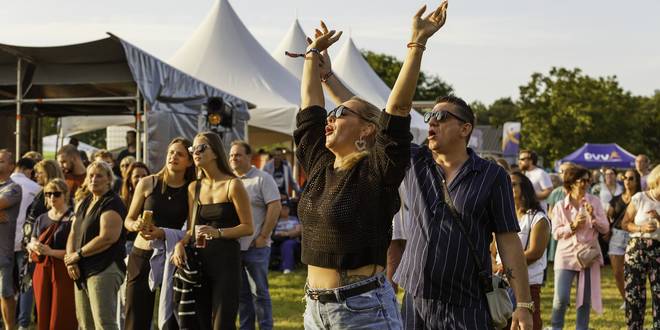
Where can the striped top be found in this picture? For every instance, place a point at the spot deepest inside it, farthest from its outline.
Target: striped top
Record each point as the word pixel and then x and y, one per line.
pixel 436 263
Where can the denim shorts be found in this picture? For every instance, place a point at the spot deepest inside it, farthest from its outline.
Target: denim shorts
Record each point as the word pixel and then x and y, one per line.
pixel 375 309
pixel 618 242
pixel 7 276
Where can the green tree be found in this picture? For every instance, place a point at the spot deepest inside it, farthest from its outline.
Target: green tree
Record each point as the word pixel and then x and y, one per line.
pixel 503 110
pixel 480 112
pixel 387 67
pixel 564 109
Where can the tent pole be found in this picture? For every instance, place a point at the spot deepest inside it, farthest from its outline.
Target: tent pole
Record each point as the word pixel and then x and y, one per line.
pixel 19 99
pixel 138 133
pixel 145 128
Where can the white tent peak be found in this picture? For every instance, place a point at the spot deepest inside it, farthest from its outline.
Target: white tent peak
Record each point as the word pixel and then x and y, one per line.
pixel 223 53
pixel 294 41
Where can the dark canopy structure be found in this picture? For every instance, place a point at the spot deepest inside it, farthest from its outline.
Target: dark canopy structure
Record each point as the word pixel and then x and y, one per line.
pixel 105 77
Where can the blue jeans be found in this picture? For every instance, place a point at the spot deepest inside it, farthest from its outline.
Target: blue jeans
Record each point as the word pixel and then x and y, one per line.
pixel 255 298
pixel 563 281
pixel 25 299
pixel 376 309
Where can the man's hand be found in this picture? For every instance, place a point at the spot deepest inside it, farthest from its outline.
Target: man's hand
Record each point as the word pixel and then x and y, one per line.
pixel 521 319
pixel 424 28
pixel 260 241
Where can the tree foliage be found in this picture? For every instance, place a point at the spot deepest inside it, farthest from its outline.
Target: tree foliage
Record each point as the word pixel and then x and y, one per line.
pixel 564 109
pixel 429 86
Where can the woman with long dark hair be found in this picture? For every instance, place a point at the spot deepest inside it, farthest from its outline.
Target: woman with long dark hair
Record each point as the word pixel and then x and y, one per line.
pixel 534 235
pixel 223 216
pixel 356 157
pixel 132 175
pixel 619 238
pixel 165 195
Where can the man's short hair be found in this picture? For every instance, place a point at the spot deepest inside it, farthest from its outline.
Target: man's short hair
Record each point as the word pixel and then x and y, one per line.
pixel 103 154
pixel 246 146
pixel 532 155
pixel 69 150
pixel 25 164
pixel 464 108
pixel 8 155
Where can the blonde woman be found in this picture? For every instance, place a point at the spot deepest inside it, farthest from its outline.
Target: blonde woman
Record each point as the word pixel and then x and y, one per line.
pixel 53 288
pixel 95 250
pixel 356 157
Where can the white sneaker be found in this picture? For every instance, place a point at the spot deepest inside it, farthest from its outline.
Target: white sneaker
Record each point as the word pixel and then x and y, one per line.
pixel 286 271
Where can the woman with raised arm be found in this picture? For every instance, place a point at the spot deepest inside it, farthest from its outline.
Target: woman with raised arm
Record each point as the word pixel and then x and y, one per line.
pixel 356 157
pixel 223 216
pixel 165 195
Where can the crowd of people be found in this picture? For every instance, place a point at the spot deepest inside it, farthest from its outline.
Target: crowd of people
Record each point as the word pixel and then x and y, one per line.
pixel 100 244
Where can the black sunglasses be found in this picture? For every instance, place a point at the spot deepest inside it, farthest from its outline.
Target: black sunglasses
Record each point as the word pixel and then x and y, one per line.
pixel 339 111
pixel 55 194
pixel 441 116
pixel 200 148
pixel 628 178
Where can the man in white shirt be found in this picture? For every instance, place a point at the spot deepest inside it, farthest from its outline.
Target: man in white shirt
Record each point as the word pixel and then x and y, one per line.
pixel 642 167
pixel 527 161
pixel 22 176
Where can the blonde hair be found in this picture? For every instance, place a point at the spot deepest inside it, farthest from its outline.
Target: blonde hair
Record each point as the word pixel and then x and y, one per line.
pixel 59 185
pixel 371 115
pixel 653 180
pixel 51 168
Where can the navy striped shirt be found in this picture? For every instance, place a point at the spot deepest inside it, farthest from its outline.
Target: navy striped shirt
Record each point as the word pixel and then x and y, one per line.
pixel 436 263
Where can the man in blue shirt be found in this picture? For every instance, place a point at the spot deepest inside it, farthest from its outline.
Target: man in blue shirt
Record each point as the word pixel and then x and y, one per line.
pixel 437 271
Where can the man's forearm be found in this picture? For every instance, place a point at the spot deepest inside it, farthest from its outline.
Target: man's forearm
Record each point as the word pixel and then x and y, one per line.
pixel 272 214
pixel 515 265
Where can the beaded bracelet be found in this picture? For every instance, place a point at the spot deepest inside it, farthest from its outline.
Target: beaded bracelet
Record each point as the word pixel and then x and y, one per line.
pixel 327 76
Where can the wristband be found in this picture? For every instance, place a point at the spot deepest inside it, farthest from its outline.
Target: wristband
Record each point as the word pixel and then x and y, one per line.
pixel 528 305
pixel 80 255
pixel 221 232
pixel 327 76
pixel 313 50
pixel 416 45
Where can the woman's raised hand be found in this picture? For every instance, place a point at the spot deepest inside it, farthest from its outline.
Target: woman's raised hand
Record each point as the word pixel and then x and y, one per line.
pixel 324 38
pixel 425 27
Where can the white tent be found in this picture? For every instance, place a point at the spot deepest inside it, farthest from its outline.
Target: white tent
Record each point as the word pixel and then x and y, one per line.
pixel 355 72
pixel 223 53
pixel 351 68
pixel 50 145
pixel 73 125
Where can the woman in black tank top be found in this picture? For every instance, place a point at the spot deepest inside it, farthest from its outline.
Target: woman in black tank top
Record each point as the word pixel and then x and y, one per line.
pixel 166 195
pixel 224 215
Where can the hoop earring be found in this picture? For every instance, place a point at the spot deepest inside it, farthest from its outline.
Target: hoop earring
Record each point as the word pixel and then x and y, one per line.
pixel 361 144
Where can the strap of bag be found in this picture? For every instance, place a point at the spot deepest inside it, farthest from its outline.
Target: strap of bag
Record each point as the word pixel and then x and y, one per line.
pixel 193 221
pixel 51 234
pixel 483 275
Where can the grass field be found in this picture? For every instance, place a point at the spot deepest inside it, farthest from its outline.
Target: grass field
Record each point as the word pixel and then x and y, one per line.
pixel 288 305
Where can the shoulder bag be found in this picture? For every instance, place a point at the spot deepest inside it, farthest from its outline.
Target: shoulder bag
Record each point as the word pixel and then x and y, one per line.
pixel 46 238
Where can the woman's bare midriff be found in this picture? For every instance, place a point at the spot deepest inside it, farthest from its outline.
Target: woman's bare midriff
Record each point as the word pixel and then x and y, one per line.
pixel 141 243
pixel 329 278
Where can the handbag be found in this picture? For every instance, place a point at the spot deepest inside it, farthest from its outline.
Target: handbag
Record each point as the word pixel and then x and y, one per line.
pixel 187 280
pixel 46 238
pixel 587 254
pixel 494 285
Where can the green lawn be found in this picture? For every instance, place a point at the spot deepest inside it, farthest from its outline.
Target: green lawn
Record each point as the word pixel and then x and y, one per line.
pixel 288 305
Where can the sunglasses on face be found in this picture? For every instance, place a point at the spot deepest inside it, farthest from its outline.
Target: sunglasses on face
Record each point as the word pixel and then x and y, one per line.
pixel 441 116
pixel 342 110
pixel 55 194
pixel 628 178
pixel 200 148
pixel 582 180
pixel 529 158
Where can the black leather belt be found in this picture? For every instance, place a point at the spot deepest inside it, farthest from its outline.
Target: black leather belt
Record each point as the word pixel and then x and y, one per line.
pixel 326 296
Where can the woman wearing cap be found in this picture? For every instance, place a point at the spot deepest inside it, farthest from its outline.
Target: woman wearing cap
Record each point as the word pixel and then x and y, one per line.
pixel 356 158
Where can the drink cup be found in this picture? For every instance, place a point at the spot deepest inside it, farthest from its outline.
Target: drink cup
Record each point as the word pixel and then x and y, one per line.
pixel 200 239
pixel 148 218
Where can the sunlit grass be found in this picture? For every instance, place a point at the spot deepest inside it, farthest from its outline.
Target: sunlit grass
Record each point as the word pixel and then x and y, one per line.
pixel 288 306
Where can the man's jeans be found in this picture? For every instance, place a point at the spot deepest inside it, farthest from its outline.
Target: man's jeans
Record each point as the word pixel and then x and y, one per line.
pixel 254 290
pixel 563 281
pixel 376 309
pixel 25 299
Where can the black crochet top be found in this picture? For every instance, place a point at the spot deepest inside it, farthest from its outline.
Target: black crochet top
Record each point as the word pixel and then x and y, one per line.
pixel 347 215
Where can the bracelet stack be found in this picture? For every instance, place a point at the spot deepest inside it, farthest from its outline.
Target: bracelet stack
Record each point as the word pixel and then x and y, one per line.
pixel 414 44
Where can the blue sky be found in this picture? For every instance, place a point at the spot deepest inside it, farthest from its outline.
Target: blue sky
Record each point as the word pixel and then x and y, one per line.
pixel 486 50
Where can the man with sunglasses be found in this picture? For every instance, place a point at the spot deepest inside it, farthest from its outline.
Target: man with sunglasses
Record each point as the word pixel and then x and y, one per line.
pixel 10 202
pixel 438 270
